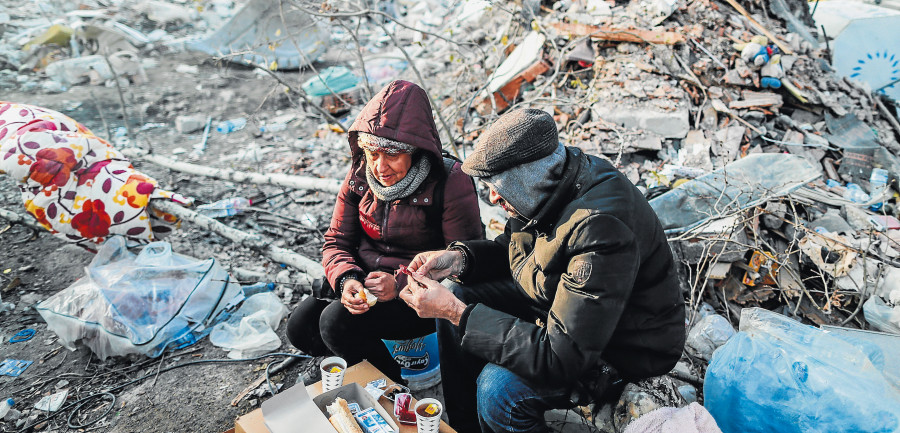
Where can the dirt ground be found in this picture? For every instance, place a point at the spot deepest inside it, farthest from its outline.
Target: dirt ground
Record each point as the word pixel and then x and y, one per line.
pixel 34 266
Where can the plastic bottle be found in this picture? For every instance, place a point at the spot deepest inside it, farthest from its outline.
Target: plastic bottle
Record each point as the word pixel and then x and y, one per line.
pixel 855 194
pixel 224 208
pixel 257 288
pixel 273 127
pixel 5 406
pixel 231 125
pixel 878 182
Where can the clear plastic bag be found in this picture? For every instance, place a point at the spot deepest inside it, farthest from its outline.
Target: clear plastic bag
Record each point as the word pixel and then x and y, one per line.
pixel 139 304
pixel 780 375
pixel 711 332
pixel 881 315
pixel 250 331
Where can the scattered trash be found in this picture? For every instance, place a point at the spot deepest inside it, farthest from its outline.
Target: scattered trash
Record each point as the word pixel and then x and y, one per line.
pixel 231 125
pixel 23 335
pixel 707 335
pixel 5 406
pixel 250 331
pixel 261 34
pixel 13 367
pixel 52 403
pixel 746 182
pixel 131 303
pixel 224 208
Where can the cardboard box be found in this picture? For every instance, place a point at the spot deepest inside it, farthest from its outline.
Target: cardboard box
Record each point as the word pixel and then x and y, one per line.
pixel 302 406
pixel 292 411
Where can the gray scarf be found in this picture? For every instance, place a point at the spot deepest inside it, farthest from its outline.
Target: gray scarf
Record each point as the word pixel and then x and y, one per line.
pixel 406 186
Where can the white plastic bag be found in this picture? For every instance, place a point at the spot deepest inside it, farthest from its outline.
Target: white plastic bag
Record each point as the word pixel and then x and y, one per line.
pixel 141 303
pixel 251 330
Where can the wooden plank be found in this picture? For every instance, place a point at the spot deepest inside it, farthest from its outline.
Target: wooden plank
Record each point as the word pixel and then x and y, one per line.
pixel 608 33
pixel 757 99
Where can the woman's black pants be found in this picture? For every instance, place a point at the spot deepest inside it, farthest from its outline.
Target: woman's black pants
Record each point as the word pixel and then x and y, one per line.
pixel 321 327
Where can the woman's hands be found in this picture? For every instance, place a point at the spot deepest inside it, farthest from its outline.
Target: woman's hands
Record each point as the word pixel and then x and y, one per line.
pixel 382 285
pixel 350 297
pixel 379 284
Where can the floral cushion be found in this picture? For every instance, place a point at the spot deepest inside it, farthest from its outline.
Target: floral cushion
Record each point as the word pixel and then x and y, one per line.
pixel 74 183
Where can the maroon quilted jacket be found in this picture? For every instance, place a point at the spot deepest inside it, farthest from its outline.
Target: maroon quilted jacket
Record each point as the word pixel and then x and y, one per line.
pixel 367 234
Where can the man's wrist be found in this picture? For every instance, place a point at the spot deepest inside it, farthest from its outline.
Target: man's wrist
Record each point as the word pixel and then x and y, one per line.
pixel 459 268
pixel 456 312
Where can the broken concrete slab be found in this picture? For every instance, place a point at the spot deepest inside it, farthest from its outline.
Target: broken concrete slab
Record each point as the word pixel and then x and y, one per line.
pixel 694 151
pixel 668 124
pixel 189 124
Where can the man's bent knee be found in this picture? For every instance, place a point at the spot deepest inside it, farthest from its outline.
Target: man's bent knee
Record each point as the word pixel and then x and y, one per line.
pixel 506 404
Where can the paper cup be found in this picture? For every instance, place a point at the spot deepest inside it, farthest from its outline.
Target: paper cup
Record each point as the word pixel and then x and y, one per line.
pixel 428 422
pixel 332 372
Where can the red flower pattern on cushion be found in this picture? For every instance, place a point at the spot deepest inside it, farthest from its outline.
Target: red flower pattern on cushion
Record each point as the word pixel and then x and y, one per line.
pixel 86 175
pixel 93 221
pixel 53 166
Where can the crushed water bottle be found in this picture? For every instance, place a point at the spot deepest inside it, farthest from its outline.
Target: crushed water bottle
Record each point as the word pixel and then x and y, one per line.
pixel 224 208
pixel 231 125
pixel 855 194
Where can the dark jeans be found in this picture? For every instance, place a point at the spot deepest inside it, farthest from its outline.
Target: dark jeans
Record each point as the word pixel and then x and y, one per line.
pixel 319 327
pixel 487 397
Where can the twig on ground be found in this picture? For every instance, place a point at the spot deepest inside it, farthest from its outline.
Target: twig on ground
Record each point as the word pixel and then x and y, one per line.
pixel 16 218
pixel 278 179
pixel 253 241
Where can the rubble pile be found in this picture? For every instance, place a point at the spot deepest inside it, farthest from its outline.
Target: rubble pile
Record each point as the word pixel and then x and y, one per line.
pixel 775 178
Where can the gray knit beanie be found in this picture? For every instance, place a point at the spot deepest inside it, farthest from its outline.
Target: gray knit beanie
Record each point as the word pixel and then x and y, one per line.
pixel 516 138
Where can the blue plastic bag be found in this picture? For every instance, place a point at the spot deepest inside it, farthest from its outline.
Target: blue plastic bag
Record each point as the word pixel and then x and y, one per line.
pixel 778 375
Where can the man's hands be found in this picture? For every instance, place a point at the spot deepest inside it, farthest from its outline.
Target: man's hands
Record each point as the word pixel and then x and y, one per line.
pixel 430 299
pixel 382 285
pixel 351 300
pixel 437 264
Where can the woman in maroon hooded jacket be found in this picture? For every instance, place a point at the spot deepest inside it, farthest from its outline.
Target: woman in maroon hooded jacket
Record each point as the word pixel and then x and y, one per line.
pixel 381 221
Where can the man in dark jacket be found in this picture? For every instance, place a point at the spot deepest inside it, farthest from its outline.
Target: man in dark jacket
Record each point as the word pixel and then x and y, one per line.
pixel 576 297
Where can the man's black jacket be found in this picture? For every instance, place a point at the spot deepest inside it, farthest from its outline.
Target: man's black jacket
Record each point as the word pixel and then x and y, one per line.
pixel 596 263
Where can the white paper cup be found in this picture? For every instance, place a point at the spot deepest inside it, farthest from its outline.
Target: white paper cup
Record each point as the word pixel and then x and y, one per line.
pixel 429 423
pixel 332 380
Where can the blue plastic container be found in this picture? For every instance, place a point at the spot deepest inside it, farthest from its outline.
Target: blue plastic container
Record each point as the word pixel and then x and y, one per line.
pixel 418 358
